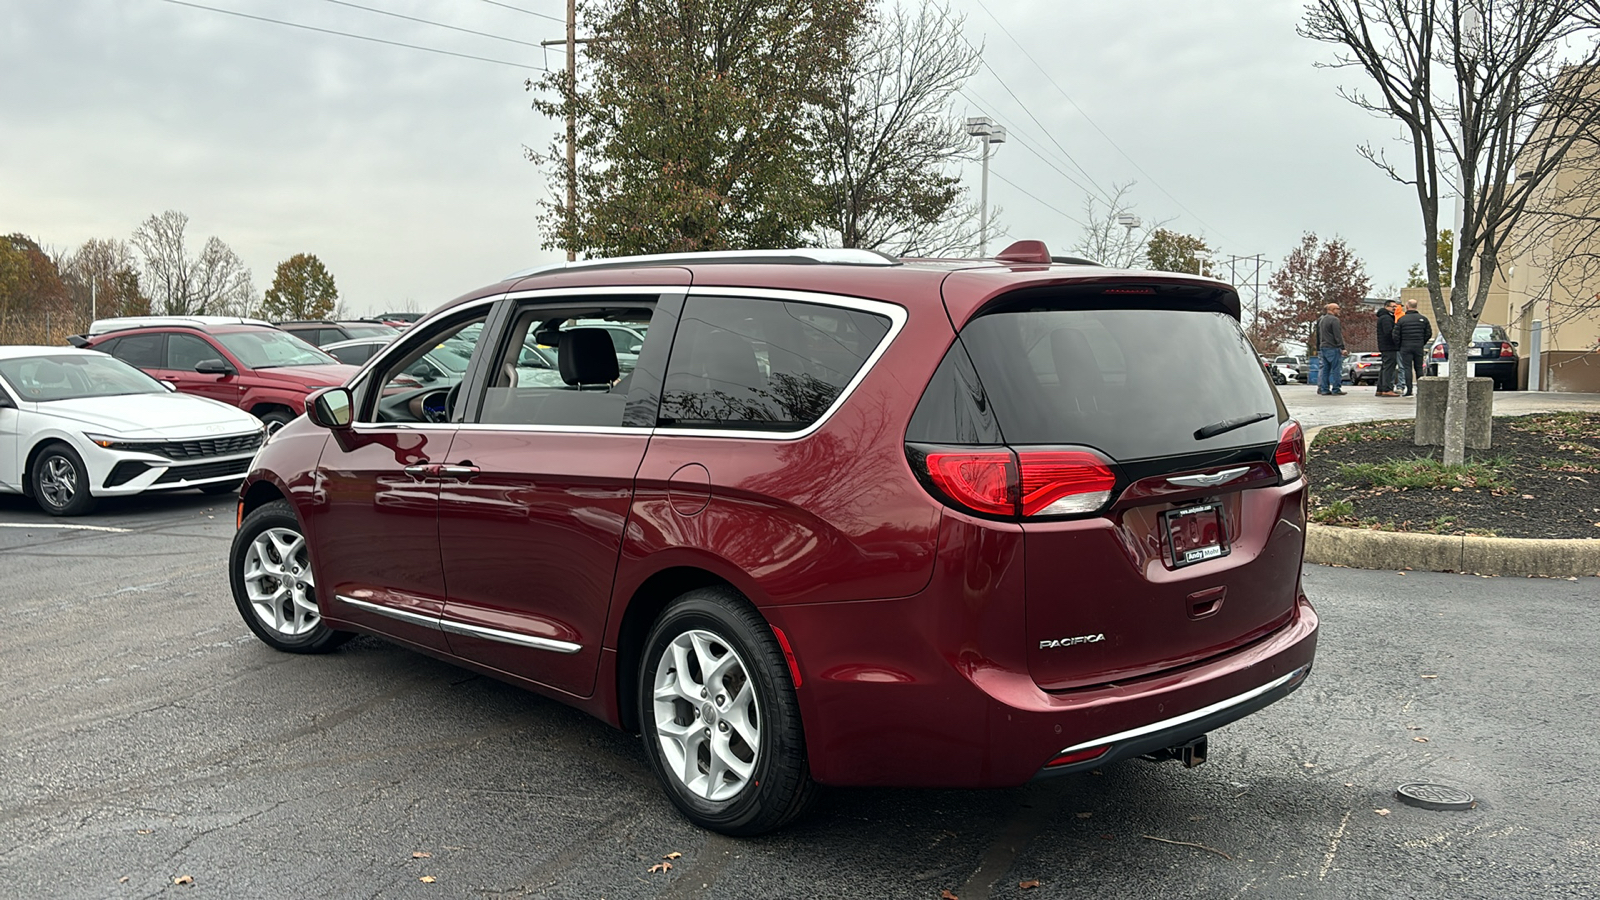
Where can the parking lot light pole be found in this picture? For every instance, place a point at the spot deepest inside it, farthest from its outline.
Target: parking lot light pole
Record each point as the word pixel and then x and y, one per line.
pixel 984 129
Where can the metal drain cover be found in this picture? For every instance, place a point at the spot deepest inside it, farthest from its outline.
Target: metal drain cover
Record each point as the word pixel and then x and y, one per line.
pixel 1435 796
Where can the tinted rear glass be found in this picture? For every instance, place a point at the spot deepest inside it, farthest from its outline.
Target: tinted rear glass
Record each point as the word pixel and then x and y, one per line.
pixel 1133 383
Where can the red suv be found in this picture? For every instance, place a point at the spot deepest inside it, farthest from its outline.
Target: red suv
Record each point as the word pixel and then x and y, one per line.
pixel 242 362
pixel 850 520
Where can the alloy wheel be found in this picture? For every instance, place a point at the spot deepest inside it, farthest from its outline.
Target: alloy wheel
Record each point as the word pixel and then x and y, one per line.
pixel 58 482
pixel 279 582
pixel 707 719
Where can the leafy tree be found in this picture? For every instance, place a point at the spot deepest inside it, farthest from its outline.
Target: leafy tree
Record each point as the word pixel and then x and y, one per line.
pixel 691 124
pixel 215 282
pixel 1492 96
pixel 30 283
pixel 1170 251
pixel 887 134
pixel 1106 239
pixel 1443 252
pixel 301 288
pixel 1313 275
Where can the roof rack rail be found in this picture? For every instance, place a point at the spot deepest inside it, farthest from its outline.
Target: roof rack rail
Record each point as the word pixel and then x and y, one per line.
pixel 799 256
pixel 123 323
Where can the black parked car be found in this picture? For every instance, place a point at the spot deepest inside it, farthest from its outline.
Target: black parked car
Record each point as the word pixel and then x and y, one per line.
pixel 1492 355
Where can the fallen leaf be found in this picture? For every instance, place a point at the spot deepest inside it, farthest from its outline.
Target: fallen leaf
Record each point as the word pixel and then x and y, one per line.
pixel 147 831
pixel 421 854
pixel 1309 765
pixel 1381 812
pixel 661 867
pixel 1457 490
pixel 122 880
pixel 183 879
pixel 427 879
pixel 1349 784
pixel 1027 885
pixel 1420 740
pixel 1413 727
pixel 673 855
pixel 946 895
pixel 1084 815
pixel 1430 676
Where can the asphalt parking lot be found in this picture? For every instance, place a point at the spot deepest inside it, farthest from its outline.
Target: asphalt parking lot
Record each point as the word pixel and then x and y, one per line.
pixel 147 737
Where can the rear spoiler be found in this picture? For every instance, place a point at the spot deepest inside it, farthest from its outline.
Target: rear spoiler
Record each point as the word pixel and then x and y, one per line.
pixel 78 340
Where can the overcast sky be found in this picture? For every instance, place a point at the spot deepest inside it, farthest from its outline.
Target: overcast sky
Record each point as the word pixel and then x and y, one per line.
pixel 403 170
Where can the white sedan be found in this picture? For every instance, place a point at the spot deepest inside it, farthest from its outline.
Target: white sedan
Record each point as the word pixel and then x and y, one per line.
pixel 76 425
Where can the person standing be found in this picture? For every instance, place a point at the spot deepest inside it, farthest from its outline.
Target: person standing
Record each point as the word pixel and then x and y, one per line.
pixel 1412 332
pixel 1330 347
pixel 1388 350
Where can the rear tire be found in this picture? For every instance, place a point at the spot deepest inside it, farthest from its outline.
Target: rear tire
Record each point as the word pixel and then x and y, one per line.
pixel 719 718
pixel 269 567
pixel 60 481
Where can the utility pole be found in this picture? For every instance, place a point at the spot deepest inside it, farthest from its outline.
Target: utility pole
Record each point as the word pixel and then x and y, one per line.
pixel 984 129
pixel 1253 277
pixel 571 43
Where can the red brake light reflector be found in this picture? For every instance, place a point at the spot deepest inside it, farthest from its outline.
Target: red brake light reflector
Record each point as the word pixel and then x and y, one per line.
pixel 1438 351
pixel 981 480
pixel 1291 454
pixel 1505 350
pixel 1064 482
pixel 1077 756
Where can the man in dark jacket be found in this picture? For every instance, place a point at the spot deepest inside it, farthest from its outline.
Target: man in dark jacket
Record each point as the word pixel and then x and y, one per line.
pixel 1388 314
pixel 1330 346
pixel 1412 332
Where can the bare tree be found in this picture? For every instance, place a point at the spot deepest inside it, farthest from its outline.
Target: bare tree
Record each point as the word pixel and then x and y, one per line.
pixel 889 137
pixel 102 276
pixel 1112 235
pixel 1492 96
pixel 215 282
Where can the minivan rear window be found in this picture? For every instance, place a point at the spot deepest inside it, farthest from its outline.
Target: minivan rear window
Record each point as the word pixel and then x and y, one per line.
pixel 1132 383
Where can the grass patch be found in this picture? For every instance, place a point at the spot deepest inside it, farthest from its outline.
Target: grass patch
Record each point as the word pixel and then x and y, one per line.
pixel 1334 513
pixel 1420 472
pixel 1394 429
pixel 1571 423
pixel 1566 465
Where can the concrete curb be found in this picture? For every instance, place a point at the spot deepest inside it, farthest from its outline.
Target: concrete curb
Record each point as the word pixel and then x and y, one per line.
pixel 1364 548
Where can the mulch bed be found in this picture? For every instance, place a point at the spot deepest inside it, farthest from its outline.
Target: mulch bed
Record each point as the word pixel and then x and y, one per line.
pixel 1546 465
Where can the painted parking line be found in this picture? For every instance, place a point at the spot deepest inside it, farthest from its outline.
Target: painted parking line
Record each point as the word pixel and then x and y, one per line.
pixel 63 525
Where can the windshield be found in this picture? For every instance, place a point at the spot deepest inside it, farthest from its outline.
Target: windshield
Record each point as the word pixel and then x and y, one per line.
pixel 370 330
pixel 1133 383
pixel 269 348
pixel 41 379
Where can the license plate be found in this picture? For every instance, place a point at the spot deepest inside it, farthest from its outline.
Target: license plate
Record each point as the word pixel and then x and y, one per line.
pixel 1475 351
pixel 1195 533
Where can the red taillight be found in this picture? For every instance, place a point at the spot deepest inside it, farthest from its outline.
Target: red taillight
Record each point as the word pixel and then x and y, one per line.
pixel 1505 350
pixel 981 480
pixel 1291 455
pixel 999 482
pixel 1064 482
pixel 1438 351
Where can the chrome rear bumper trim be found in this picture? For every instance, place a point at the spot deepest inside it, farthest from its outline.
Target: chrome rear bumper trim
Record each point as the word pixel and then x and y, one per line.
pixel 1203 712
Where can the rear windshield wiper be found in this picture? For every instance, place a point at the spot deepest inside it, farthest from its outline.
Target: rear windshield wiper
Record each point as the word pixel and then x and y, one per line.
pixel 1226 425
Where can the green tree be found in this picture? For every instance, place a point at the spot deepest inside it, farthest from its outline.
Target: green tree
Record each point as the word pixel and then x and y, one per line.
pixel 691 124
pixel 1171 251
pixel 1443 252
pixel 302 288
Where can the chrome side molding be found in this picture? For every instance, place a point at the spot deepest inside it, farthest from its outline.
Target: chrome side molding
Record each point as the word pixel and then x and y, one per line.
pixel 462 628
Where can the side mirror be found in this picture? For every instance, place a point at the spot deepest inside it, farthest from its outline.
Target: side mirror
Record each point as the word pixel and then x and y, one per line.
pixel 169 386
pixel 215 367
pixel 1515 344
pixel 422 371
pixel 330 408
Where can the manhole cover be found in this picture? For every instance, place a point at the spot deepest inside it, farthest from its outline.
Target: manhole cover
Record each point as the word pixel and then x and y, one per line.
pixel 1435 796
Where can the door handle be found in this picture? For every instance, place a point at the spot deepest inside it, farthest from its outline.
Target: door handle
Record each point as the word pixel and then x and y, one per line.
pixel 423 470
pixel 462 472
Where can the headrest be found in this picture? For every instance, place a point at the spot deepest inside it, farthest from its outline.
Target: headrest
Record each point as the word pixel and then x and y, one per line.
pixel 48 371
pixel 587 356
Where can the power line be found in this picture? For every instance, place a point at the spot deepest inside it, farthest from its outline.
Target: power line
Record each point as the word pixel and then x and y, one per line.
pixel 1024 190
pixel 1029 112
pixel 359 37
pixel 1025 140
pixel 526 12
pixel 385 12
pixel 1087 118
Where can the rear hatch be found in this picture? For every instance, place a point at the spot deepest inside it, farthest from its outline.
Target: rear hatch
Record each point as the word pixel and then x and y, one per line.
pixel 1132 433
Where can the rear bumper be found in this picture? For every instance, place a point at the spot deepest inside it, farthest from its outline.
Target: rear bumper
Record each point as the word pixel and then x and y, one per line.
pixel 882 707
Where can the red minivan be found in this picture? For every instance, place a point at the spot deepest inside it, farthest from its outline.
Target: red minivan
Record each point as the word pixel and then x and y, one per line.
pixel 246 363
pixel 849 520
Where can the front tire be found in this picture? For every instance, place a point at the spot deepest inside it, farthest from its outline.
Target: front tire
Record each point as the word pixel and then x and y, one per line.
pixel 60 481
pixel 275 419
pixel 719 718
pixel 269 567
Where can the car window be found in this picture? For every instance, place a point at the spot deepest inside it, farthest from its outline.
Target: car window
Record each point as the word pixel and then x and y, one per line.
pixel 147 351
pixel 185 351
pixel 561 366
pixel 269 348
pixel 43 379
pixel 422 381
pixel 354 354
pixel 767 365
